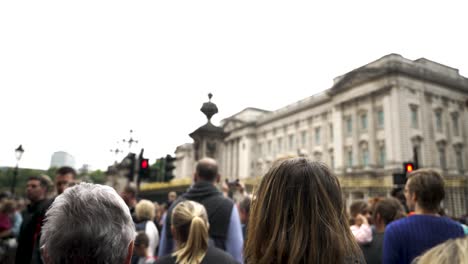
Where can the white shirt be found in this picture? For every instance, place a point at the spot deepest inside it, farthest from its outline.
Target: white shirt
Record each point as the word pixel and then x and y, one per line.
pixel 153 235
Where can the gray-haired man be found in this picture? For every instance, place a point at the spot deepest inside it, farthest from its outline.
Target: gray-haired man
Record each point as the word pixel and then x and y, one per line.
pixel 88 223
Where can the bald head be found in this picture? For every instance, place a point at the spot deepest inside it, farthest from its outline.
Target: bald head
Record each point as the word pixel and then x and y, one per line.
pixel 207 170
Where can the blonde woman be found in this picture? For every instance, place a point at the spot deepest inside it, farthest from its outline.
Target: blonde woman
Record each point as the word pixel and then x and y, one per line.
pixel 453 251
pixel 145 213
pixel 189 227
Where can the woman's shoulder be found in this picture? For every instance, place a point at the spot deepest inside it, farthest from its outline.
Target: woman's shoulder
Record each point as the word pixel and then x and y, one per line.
pixel 215 255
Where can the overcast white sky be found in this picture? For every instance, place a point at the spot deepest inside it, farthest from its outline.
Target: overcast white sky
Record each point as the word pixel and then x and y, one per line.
pixel 77 76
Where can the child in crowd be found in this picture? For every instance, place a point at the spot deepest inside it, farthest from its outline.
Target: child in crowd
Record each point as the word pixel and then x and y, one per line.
pixel 141 249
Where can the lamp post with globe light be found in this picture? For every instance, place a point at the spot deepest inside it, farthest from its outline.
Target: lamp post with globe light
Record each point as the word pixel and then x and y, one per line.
pixel 19 153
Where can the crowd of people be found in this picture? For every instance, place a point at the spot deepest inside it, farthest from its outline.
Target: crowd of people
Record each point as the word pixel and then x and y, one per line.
pixel 296 214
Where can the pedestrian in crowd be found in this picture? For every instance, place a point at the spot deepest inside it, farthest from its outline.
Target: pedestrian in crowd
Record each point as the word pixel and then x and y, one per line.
pixel 50 187
pixel 7 240
pixel 385 211
pixel 157 216
pixel 453 251
pixel 7 212
pixel 360 218
pixel 141 249
pixel 407 238
pixel 189 224
pixel 129 196
pixel 63 177
pixel 171 197
pixel 298 216
pixel 225 228
pixel 164 209
pixel 18 218
pixel 30 231
pixel 244 211
pixel 145 217
pixel 88 223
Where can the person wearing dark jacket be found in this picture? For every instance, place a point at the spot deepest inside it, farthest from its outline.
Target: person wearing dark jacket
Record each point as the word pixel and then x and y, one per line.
pixel 28 239
pixel 190 229
pixel 225 228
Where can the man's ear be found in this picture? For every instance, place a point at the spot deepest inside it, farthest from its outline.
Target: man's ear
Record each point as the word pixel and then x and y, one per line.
pixel 218 178
pixel 195 177
pixel 128 259
pixel 413 197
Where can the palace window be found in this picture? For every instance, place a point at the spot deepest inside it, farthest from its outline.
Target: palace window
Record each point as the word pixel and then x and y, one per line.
pixel 364 121
pixel 349 126
pixel 414 116
pixel 382 156
pixel 365 157
pixel 304 139
pixel 442 157
pixel 438 119
pixel 380 118
pixel 456 128
pixel 280 144
pixel 317 135
pixel 350 158
pixel 291 142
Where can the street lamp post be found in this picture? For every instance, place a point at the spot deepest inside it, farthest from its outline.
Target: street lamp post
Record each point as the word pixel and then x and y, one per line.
pixel 18 152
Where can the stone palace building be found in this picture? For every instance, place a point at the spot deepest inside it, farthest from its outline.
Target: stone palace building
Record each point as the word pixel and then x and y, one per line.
pixel 364 127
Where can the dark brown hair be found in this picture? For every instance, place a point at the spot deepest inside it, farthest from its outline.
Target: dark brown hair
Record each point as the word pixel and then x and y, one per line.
pixel 359 207
pixel 65 170
pixel 389 209
pixel 298 216
pixel 428 186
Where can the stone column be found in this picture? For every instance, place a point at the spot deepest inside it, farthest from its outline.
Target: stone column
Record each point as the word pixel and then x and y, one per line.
pixel 372 132
pixel 337 120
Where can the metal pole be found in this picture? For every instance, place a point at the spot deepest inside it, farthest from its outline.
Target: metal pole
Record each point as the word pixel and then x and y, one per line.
pixel 13 184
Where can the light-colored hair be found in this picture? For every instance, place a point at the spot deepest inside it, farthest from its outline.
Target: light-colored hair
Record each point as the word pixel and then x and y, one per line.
pixel 453 251
pixel 298 216
pixel 88 223
pixel 190 222
pixel 145 210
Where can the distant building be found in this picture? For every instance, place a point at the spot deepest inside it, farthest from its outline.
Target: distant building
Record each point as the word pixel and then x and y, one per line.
pixel 364 127
pixel 61 158
pixel 185 163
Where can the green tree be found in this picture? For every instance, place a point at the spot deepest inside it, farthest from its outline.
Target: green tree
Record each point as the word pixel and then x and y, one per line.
pixel 97 176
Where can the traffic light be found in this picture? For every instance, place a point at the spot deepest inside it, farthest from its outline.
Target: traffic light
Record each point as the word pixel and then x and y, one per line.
pixel 144 169
pixel 408 167
pixel 168 168
pixel 128 165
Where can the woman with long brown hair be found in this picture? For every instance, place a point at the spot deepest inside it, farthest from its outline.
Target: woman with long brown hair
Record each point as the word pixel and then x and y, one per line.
pixel 298 216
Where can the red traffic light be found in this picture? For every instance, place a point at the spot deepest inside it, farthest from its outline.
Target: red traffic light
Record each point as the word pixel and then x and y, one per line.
pixel 144 164
pixel 409 167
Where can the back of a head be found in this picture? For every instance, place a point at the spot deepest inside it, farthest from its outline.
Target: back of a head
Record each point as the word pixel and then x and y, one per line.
pixel 131 190
pixel 428 185
pixel 190 221
pixel 389 209
pixel 145 210
pixel 358 207
pixel 245 204
pixel 207 169
pixel 298 216
pixel 453 251
pixel 88 223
